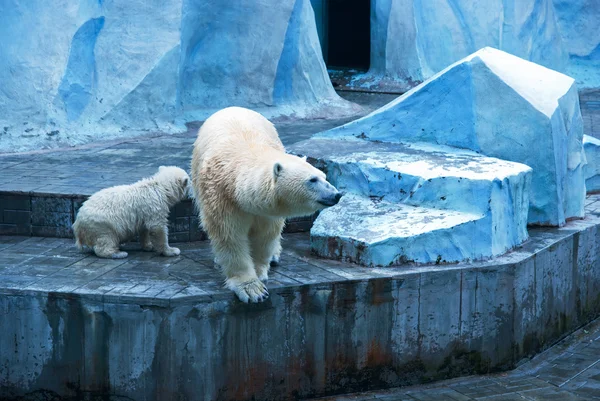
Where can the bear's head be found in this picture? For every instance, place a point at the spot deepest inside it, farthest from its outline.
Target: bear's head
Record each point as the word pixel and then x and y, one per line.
pixel 173 182
pixel 301 189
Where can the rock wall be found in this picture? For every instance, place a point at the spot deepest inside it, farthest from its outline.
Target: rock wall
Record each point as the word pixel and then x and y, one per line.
pixel 413 39
pixel 579 25
pixel 75 71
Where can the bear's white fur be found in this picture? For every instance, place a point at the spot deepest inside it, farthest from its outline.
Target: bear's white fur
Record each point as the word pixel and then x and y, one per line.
pixel 117 214
pixel 245 186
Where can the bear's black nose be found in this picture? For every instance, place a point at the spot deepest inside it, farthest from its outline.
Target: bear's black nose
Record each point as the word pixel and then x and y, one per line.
pixel 338 196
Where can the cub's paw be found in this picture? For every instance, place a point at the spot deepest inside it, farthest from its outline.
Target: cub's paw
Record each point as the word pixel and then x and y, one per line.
pixel 252 290
pixel 171 252
pixel 148 247
pixel 119 255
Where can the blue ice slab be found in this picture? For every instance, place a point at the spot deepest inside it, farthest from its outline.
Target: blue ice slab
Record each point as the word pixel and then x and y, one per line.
pixel 501 106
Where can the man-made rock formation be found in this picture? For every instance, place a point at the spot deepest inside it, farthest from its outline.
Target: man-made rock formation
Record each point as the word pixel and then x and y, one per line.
pixel 419 202
pixel 441 173
pixel 500 106
pixel 411 40
pixel 73 71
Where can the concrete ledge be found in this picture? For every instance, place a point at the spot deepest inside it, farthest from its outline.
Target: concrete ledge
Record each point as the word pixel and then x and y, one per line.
pixel 150 327
pixel 52 214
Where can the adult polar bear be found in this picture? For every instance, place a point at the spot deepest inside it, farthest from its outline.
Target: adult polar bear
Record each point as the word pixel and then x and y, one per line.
pixel 245 186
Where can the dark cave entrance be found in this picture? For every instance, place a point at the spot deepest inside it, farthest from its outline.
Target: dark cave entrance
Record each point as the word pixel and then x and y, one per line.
pixel 345 32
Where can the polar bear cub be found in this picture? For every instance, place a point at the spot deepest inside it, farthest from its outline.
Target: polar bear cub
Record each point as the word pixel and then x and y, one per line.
pixel 117 214
pixel 245 186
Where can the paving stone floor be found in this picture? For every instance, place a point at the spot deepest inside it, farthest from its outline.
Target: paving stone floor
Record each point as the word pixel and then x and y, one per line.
pixel 37 264
pixel 568 371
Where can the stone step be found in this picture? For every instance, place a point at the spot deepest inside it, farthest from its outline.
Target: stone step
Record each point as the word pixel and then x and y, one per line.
pixel 428 203
pixel 419 174
pixel 372 232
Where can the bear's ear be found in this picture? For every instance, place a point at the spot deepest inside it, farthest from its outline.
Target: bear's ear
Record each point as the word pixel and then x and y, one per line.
pixel 277 167
pixel 303 158
pixel 161 168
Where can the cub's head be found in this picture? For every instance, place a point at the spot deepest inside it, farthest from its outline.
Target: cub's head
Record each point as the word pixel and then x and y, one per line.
pixel 173 181
pixel 300 188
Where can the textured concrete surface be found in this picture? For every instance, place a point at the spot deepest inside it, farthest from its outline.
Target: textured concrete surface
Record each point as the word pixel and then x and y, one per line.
pixel 570 370
pixel 501 106
pixel 149 327
pixel 465 206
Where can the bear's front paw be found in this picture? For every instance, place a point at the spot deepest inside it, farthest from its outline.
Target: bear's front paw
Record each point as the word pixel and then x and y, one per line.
pixel 148 247
pixel 252 290
pixel 171 252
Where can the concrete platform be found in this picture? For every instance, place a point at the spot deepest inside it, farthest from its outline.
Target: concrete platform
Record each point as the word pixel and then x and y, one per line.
pixel 153 328
pixel 149 327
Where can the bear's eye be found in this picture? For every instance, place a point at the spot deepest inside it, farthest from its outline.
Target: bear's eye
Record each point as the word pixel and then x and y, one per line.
pixel 313 180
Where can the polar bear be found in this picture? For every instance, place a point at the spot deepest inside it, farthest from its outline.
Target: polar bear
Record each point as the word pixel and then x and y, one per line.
pixel 117 214
pixel 245 186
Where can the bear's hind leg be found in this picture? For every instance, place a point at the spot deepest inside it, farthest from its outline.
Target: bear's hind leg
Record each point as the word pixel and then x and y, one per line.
pixel 145 240
pixel 160 241
pixel 108 247
pixel 265 243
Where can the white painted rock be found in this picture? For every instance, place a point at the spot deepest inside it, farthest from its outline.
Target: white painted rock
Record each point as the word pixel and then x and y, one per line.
pixel 592 169
pixel 391 176
pixel 501 106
